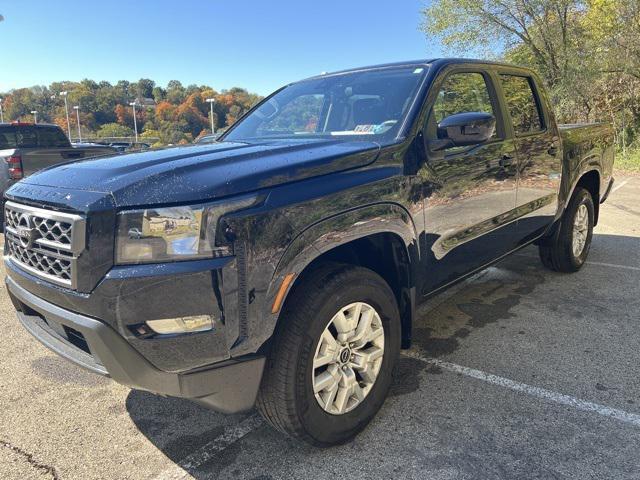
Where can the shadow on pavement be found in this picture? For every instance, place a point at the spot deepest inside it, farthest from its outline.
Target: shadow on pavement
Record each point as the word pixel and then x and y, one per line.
pixel 176 426
pixel 179 427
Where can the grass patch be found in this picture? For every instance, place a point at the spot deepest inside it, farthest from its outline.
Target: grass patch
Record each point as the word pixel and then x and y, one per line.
pixel 629 162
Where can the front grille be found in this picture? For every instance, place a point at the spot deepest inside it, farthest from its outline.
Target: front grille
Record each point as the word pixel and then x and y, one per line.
pixel 45 243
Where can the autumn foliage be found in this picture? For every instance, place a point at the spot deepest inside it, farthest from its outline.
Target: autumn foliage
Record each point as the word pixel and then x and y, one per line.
pixel 171 115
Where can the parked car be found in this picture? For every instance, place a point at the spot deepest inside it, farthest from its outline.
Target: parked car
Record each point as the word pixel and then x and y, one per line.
pixel 26 148
pixel 210 138
pixel 283 266
pixel 129 146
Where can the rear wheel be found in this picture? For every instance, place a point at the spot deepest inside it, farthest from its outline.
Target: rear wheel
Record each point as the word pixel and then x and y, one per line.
pixel 333 355
pixel 568 249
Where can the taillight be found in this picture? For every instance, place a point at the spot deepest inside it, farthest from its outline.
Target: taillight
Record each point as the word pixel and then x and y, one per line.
pixel 15 167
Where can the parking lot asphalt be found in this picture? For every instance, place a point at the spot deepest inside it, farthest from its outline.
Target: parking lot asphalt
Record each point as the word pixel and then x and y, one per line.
pixel 517 372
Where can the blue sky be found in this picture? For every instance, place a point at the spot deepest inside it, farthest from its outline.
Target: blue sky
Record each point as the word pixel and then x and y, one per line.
pixel 259 45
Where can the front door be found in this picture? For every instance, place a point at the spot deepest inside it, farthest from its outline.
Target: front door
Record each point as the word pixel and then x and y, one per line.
pixel 471 191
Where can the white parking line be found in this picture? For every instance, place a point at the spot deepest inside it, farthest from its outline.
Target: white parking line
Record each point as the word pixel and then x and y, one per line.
pixel 208 451
pixel 601 264
pixel 545 394
pixel 614 265
pixel 234 433
pixel 619 186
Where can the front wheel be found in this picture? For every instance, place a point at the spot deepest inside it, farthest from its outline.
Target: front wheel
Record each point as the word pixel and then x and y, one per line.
pixel 331 363
pixel 567 251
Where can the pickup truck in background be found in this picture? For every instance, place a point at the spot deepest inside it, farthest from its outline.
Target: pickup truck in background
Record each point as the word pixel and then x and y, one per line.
pixel 282 265
pixel 26 148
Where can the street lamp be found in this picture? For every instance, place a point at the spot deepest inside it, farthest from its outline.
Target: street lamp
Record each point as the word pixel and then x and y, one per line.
pixel 77 109
pixel 35 116
pixel 66 111
pixel 1 114
pixel 210 101
pixel 135 123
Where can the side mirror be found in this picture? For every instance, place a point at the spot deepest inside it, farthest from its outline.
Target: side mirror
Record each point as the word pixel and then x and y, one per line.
pixel 464 129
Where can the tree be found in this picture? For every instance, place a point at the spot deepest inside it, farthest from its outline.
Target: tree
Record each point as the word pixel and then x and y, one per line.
pixel 547 28
pixel 159 94
pixel 114 130
pixel 615 25
pixel 178 116
pixel 165 111
pixel 123 114
pixel 175 92
pixel 587 51
pixel 191 112
pixel 144 88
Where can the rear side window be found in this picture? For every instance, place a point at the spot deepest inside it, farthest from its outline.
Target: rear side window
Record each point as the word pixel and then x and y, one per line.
pixel 51 137
pixel 25 136
pixel 7 137
pixel 523 106
pixel 18 136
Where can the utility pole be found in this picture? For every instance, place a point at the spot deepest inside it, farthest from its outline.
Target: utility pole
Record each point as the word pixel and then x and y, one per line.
pixel 211 101
pixel 1 114
pixel 35 116
pixel 77 109
pixel 66 111
pixel 135 122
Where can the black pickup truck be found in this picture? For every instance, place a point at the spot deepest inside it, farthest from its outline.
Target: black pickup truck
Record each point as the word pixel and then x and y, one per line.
pixel 282 265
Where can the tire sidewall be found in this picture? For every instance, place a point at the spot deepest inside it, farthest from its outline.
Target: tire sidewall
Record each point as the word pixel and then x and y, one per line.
pixel 324 427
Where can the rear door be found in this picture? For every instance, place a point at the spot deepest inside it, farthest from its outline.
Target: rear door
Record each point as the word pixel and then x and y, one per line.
pixel 538 151
pixel 470 191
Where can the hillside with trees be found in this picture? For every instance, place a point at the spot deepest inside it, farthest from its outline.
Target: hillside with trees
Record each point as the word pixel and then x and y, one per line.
pixel 171 115
pixel 587 51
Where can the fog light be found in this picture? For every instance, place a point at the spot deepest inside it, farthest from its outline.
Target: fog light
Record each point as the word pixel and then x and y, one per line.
pixel 198 323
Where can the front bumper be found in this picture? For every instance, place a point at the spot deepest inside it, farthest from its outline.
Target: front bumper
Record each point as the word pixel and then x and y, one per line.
pixel 229 387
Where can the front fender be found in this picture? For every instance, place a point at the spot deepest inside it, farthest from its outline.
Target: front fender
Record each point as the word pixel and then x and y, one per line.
pixel 335 231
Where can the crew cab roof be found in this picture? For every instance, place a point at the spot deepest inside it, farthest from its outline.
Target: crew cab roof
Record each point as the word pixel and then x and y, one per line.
pixel 443 61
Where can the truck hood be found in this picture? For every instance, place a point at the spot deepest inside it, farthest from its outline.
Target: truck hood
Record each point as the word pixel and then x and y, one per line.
pixel 203 172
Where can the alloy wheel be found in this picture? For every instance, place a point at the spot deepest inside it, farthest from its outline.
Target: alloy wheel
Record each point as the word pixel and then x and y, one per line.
pixel 580 230
pixel 348 358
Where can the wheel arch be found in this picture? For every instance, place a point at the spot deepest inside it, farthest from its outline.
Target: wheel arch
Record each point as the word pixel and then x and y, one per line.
pixel 380 237
pixel 590 180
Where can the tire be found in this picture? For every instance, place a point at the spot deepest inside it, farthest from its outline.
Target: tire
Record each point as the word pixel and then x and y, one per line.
pixel 557 253
pixel 287 399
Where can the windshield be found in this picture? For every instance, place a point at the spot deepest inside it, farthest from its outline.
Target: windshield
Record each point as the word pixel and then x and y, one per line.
pixel 371 103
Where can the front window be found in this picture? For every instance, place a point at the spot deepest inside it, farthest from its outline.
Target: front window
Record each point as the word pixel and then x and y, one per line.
pixel 370 104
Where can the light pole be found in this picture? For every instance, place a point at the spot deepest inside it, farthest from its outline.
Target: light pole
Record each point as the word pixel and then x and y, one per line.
pixel 35 116
pixel 77 109
pixel 210 101
pixel 135 122
pixel 1 114
pixel 66 111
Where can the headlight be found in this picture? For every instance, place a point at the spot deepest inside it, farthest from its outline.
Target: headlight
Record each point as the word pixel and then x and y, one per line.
pixel 173 233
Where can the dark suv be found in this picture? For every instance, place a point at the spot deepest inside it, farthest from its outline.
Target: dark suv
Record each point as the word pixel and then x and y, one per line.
pixel 283 264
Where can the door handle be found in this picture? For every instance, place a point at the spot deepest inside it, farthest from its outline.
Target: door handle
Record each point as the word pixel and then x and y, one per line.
pixel 505 160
